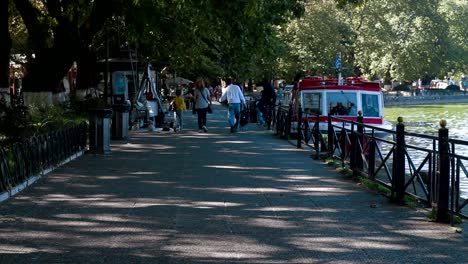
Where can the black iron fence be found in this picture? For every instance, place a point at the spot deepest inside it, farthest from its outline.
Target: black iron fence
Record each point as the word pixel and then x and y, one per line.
pixel 21 160
pixel 433 172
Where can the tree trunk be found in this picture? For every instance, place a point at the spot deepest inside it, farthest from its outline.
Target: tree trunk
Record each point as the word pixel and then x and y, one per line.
pixel 6 43
pixel 387 78
pixel 46 72
pixel 87 74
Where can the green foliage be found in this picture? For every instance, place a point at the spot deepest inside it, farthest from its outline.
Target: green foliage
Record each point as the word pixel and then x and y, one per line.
pixel 50 118
pixel 347 173
pixel 331 162
pixel 314 40
pixel 398 40
pixel 410 201
pixel 374 186
pixel 206 38
pixel 15 122
pixel 406 40
pixel 80 108
pixel 457 220
pixel 432 216
pixel 394 40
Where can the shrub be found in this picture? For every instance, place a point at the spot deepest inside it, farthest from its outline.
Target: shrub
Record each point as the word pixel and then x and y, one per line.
pixel 20 122
pixel 15 122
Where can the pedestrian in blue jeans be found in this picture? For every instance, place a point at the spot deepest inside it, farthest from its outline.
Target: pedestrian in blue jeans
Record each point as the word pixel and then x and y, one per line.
pixel 236 100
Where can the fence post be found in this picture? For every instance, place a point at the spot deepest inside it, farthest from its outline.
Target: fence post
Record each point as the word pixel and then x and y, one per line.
pixel 288 121
pixel 371 157
pixel 398 171
pixel 359 138
pixel 277 113
pixel 352 148
pixel 331 137
pixel 317 136
pixel 299 124
pixel 443 175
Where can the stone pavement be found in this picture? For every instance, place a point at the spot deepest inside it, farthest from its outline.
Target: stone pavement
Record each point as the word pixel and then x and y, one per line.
pixel 214 197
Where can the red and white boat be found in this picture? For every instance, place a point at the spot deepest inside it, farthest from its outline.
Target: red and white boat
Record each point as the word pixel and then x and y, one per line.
pixel 315 95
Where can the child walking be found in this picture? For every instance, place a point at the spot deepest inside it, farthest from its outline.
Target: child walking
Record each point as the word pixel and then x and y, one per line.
pixel 179 108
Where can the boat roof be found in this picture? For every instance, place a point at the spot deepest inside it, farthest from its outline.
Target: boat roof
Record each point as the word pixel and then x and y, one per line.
pixel 351 84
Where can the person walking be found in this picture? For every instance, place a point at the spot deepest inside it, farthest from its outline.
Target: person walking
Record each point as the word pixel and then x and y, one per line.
pixel 266 104
pixel 236 100
pixel 202 100
pixel 179 108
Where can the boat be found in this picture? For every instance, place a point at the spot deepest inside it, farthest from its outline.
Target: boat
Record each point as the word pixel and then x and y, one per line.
pixel 320 98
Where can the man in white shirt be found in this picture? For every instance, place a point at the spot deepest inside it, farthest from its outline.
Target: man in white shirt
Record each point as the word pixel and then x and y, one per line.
pixel 235 98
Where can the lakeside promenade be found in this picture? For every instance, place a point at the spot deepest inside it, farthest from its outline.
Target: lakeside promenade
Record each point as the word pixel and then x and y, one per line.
pixel 215 197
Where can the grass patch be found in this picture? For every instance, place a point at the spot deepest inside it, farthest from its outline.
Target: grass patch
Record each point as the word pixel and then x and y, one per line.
pixel 347 173
pixel 333 163
pixel 457 220
pixel 337 165
pixel 432 216
pixel 374 186
pixel 410 201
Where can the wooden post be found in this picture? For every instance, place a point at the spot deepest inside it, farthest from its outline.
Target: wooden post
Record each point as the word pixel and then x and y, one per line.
pixel 444 174
pixel 398 171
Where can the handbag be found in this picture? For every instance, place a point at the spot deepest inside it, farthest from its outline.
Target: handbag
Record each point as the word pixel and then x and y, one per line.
pixel 208 109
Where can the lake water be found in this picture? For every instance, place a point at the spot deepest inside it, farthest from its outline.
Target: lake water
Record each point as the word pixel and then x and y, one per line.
pixel 425 119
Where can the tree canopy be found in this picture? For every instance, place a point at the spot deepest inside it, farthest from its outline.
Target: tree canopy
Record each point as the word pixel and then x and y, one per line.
pixel 394 40
pixel 246 39
pixel 208 38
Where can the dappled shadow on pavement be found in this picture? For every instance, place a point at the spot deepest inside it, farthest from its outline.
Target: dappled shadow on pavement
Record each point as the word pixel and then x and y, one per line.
pixel 213 197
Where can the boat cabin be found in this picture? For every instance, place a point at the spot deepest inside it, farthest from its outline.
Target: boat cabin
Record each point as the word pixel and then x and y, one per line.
pixel 316 96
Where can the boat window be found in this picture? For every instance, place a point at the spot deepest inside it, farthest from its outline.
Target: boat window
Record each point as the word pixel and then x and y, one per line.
pixel 370 105
pixel 342 103
pixel 311 103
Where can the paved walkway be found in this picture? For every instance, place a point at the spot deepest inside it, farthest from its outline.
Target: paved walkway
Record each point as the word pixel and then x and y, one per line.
pixel 213 197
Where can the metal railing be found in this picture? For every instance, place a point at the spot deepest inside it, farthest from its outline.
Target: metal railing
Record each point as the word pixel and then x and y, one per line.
pixel 282 121
pixel 432 173
pixel 21 160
